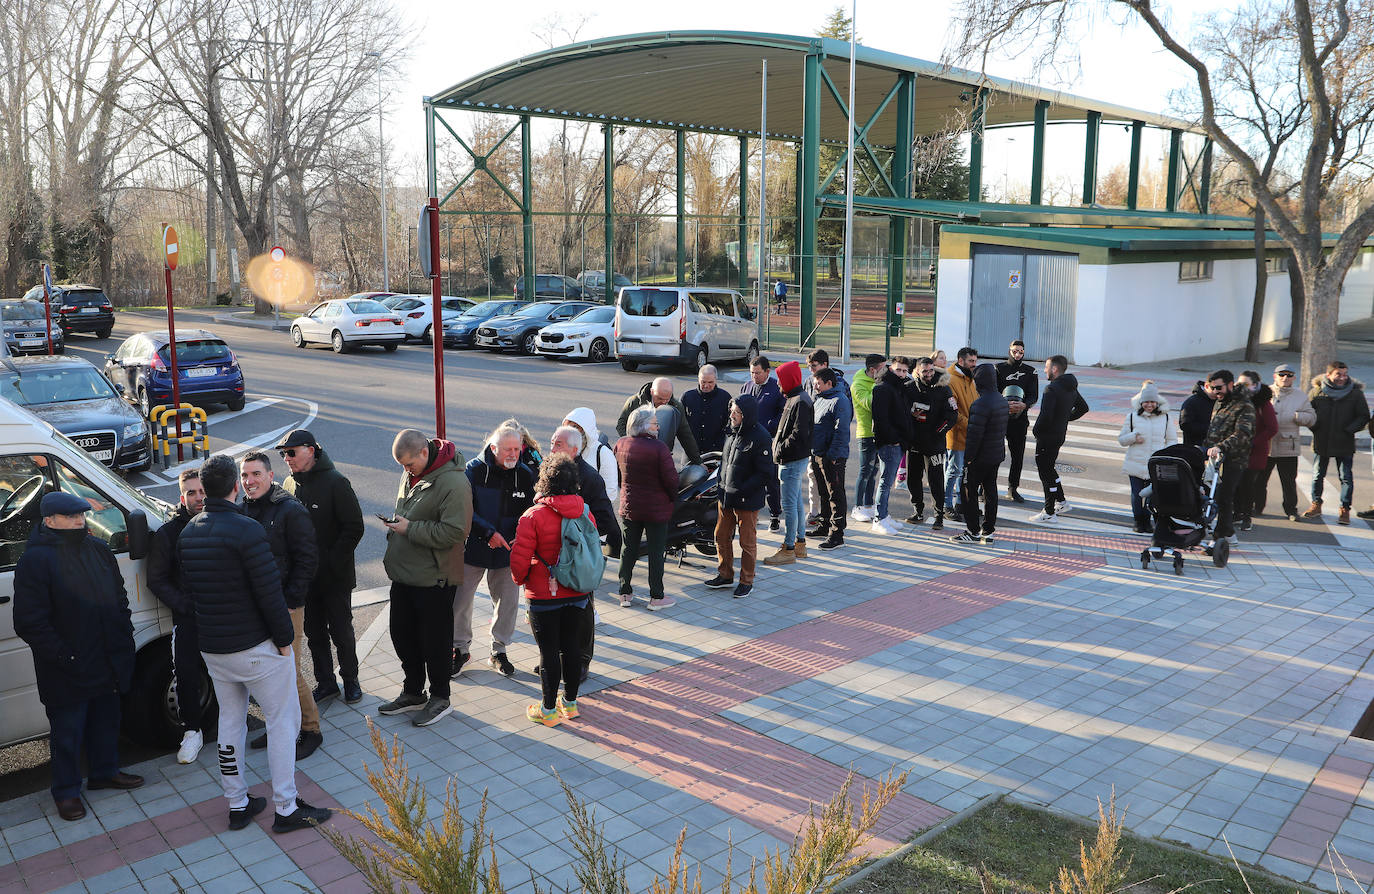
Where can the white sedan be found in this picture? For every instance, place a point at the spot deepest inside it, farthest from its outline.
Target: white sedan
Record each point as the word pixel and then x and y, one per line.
pixel 346 323
pixel 417 313
pixel 589 335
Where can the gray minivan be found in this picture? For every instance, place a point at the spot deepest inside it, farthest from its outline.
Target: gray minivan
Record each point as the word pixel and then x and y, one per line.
pixel 683 324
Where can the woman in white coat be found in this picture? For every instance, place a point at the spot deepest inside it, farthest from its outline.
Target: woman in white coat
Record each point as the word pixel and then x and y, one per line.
pixel 1148 427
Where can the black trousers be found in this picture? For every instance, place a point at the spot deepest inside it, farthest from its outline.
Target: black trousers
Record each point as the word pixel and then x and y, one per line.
pixel 934 471
pixel 422 634
pixel 588 631
pixel 1288 483
pixel 92 724
pixel 980 477
pixel 1231 474
pixel 831 502
pixel 186 671
pixel 1046 455
pixel 329 619
pixel 557 633
pixel 773 487
pixel 1250 494
pixel 1017 426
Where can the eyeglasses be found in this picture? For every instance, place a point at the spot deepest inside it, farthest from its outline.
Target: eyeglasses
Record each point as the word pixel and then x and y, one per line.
pixel 1284 375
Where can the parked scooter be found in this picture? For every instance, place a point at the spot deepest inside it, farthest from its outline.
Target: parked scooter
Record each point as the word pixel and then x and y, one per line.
pixel 695 511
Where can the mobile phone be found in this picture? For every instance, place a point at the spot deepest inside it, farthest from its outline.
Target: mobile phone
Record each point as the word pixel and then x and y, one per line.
pixel 385 520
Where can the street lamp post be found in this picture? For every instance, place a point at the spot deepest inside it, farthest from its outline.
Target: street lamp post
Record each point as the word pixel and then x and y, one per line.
pixel 381 172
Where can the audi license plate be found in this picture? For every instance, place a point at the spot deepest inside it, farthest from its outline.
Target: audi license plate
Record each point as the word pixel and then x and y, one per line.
pixel 30 342
pixel 104 456
pixel 201 372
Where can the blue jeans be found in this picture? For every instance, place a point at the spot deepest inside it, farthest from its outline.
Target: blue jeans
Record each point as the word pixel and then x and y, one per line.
pixel 868 472
pixel 1344 471
pixel 92 725
pixel 954 476
pixel 790 476
pixel 890 458
pixel 1142 516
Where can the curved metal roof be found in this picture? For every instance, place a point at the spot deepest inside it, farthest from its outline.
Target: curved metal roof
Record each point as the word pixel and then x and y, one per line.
pixel 709 81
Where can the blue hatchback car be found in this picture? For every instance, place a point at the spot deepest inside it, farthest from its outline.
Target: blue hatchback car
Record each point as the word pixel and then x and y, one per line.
pixel 209 372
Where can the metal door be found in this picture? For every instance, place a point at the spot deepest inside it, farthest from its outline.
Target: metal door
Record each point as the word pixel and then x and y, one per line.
pixel 1051 303
pixel 995 312
pixel 1025 294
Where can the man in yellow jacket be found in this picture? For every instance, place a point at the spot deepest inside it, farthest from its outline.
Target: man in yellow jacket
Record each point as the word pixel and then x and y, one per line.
pixel 965 393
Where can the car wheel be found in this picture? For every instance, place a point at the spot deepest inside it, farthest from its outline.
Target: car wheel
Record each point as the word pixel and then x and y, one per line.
pixel 527 342
pixel 145 404
pixel 629 365
pixel 297 337
pixel 599 351
pixel 59 349
pixel 391 348
pixel 752 354
pixel 702 358
pixel 336 341
pixel 235 405
pixel 428 336
pixel 150 714
pixel 104 333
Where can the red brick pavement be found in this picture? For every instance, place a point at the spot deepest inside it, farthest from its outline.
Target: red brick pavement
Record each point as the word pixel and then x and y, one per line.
pixel 1304 836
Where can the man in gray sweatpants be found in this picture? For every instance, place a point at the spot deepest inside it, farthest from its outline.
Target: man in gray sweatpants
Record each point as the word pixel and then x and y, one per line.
pixel 228 570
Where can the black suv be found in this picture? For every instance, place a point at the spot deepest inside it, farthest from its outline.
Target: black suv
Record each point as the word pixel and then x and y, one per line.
pixel 78 308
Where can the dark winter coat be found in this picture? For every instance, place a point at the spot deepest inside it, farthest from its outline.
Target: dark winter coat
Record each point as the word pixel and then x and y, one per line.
pixel 891 414
pixel 1195 415
pixel 1232 429
pixel 591 487
pixel 672 425
pixel 229 571
pixel 813 386
pixel 71 608
pixel 708 415
pixel 1266 426
pixel 291 535
pixel 985 442
pixel 793 438
pixel 1060 404
pixel 933 413
pixel 164 572
pixel 1338 419
pixel 746 464
pixel 1023 376
pixel 648 479
pixel 770 401
pixel 338 519
pixel 834 416
pixel 499 497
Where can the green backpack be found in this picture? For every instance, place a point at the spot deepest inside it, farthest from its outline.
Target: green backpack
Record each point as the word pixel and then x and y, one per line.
pixel 580 560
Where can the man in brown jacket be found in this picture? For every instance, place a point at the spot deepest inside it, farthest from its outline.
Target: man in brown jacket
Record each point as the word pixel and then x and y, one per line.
pixel 965 393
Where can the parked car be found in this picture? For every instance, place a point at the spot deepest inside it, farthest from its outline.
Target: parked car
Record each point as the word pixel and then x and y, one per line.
pixel 683 324
pixel 71 395
pixel 25 328
pixel 78 308
pixel 417 312
pixel 519 329
pixel 461 331
pixel 550 285
pixel 209 372
pixel 347 323
pixel 593 284
pixel 589 335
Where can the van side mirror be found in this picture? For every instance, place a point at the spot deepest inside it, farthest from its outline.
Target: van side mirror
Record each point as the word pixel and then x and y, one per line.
pixel 139 538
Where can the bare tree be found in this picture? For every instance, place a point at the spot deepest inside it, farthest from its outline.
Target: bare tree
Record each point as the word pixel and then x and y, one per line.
pixel 1329 41
pixel 20 27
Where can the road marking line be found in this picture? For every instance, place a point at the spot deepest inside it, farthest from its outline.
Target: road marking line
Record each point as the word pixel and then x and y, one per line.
pixel 262 440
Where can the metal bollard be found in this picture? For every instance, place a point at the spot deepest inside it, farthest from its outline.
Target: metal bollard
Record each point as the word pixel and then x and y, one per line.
pixel 195 431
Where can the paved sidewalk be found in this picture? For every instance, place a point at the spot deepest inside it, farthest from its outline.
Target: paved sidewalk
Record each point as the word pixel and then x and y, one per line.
pixel 1218 705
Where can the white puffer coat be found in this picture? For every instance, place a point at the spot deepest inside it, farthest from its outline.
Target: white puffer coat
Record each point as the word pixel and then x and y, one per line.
pixel 1160 430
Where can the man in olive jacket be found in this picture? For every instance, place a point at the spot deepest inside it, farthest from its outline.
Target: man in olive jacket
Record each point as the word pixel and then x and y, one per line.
pixel 338 519
pixel 1341 409
pixel 1229 436
pixel 424 559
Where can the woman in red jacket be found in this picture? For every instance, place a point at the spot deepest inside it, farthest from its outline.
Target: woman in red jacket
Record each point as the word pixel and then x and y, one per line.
pixel 555 611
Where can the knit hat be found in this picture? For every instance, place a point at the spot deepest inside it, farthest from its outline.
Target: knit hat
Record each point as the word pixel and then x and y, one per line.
pixel 789 376
pixel 1149 392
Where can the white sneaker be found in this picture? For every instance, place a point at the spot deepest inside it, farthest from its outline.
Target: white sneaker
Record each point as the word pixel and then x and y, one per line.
pixel 627 600
pixel 893 526
pixel 884 526
pixel 1062 508
pixel 862 513
pixel 191 744
pixel 1046 518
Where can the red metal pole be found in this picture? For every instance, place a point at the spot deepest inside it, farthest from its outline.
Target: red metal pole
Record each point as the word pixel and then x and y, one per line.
pixel 437 324
pixel 172 356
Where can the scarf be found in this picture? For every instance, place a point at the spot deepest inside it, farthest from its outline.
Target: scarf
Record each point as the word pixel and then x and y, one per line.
pixel 1331 391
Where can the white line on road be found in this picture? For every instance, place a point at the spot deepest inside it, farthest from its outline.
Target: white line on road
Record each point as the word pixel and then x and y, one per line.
pixel 167 476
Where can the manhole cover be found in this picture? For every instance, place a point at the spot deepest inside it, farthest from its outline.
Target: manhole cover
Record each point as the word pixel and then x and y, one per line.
pixel 1066 469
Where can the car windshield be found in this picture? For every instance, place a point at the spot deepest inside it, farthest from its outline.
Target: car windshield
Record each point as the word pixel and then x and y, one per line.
pixel 199 350
pixel 368 307
pixel 84 296
pixel 543 309
pixel 23 310
pixel 596 315
pixel 648 302
pixel 55 385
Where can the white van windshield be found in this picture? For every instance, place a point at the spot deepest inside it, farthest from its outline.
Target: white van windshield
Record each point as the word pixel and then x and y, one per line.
pixel 648 302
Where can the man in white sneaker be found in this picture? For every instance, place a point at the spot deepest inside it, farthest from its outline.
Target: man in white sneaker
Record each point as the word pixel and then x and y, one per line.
pixel 1060 404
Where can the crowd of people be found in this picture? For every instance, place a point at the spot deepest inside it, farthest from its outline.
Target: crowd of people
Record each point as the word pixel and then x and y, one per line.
pixel 254 571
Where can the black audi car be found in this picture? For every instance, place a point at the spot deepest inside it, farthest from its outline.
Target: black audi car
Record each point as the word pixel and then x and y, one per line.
pixel 24 325
pixel 73 397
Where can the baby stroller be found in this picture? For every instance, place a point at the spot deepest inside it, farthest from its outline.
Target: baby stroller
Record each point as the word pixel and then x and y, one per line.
pixel 1181 498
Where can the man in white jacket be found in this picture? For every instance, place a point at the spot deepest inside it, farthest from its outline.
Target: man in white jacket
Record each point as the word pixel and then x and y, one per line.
pixel 599 455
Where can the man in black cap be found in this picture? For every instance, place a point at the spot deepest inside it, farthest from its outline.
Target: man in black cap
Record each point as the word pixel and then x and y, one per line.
pixel 71 608
pixel 338 519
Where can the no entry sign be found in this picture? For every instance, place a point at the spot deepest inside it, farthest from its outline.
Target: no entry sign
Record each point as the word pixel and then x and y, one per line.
pixel 169 242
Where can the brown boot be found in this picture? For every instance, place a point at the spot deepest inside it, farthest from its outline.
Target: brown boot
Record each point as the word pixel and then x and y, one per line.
pixel 783 556
pixel 1314 511
pixel 1344 517
pixel 800 549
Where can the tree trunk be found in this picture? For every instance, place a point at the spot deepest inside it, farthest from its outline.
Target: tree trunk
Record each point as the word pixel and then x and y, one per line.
pixel 1261 286
pixel 298 212
pixel 1297 300
pixel 1319 326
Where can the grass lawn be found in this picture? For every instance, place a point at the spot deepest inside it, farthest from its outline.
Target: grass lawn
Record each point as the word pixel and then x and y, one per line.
pixel 1023 849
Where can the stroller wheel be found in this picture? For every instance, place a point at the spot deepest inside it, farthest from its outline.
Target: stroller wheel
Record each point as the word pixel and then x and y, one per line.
pixel 1178 562
pixel 1144 558
pixel 1221 552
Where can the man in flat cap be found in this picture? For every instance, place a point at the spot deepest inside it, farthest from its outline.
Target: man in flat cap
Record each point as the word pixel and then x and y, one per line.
pixel 71 608
pixel 338 519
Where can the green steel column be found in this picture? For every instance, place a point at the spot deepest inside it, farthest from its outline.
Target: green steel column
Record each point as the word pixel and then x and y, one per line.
pixel 1205 199
pixel 1175 162
pixel 681 207
pixel 744 216
pixel 431 168
pixel 806 199
pixel 1094 121
pixel 608 155
pixel 975 146
pixel 797 224
pixel 527 205
pixel 899 226
pixel 1037 189
pixel 1133 179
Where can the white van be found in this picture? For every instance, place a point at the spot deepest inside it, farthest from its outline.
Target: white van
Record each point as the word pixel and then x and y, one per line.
pixel 683 324
pixel 35 459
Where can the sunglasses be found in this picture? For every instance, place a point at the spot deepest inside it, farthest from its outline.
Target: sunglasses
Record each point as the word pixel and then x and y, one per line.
pixel 1284 375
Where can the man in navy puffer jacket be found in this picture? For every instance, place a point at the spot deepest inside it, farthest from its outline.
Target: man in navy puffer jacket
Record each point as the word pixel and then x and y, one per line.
pixel 985 446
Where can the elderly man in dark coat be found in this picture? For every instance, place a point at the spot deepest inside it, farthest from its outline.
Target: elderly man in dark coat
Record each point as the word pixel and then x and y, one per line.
pixel 71 608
